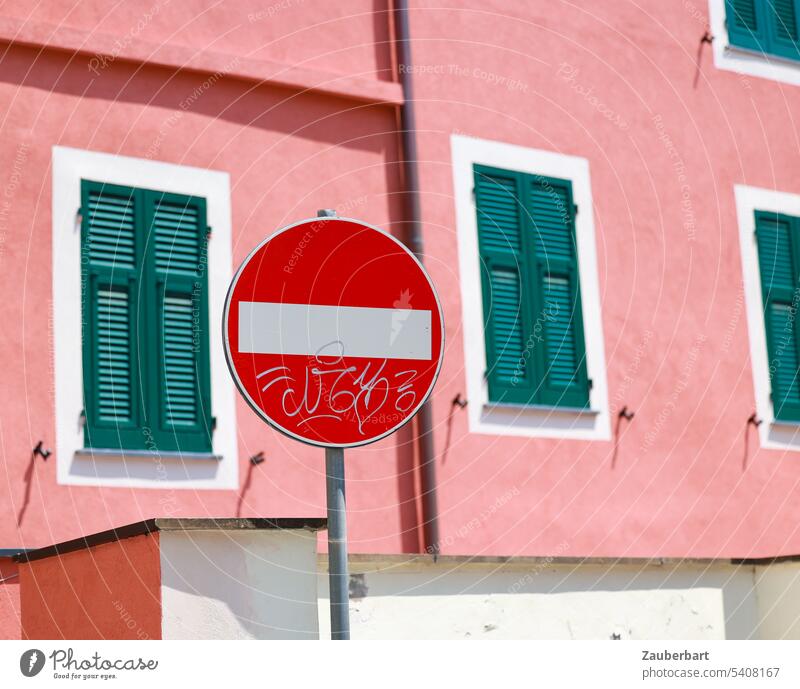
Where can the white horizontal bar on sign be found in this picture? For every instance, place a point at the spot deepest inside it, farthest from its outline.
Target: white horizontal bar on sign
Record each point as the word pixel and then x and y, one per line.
pixel 310 329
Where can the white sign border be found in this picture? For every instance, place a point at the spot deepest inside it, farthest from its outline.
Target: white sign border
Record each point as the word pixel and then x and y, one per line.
pixel 240 386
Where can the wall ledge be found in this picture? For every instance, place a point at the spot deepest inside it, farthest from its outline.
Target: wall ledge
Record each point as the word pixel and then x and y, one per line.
pixel 364 563
pixel 104 49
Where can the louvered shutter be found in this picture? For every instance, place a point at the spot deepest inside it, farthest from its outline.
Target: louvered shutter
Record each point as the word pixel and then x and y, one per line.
pixel 782 27
pixel 180 384
pixel 777 237
pixel 504 265
pixel 110 278
pixel 746 22
pixel 559 322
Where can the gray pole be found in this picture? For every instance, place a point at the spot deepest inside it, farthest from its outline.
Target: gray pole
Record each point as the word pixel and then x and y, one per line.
pixel 338 575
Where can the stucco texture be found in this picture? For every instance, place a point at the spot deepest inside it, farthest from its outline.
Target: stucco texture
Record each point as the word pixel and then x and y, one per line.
pixel 626 85
pixel 111 591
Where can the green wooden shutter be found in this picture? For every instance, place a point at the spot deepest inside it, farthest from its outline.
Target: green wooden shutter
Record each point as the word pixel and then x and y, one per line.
pixel 746 21
pixel 180 398
pixel 782 28
pixel 533 323
pixel 778 252
pixel 768 26
pixel 110 261
pixel 506 306
pixel 559 319
pixel 145 310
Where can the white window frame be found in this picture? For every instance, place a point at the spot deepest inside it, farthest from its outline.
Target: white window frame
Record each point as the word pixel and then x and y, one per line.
pixel 527 420
pixel 773 434
pixel 742 61
pixel 76 465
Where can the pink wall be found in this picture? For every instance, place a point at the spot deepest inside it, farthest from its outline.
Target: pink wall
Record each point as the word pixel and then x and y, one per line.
pixel 681 487
pixel 343 37
pixel 678 487
pixel 287 155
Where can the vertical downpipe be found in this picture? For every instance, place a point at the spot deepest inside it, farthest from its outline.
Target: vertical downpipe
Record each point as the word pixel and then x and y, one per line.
pixel 413 239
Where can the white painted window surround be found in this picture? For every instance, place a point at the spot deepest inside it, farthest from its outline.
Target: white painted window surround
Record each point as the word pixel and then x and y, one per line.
pixel 521 420
pixel 773 434
pixel 75 465
pixel 742 61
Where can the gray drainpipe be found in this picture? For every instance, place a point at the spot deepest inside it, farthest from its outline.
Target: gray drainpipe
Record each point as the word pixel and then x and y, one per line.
pixel 413 239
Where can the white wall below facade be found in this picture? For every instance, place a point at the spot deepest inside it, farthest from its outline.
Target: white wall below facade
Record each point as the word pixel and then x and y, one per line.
pixel 239 585
pixel 778 591
pixel 527 598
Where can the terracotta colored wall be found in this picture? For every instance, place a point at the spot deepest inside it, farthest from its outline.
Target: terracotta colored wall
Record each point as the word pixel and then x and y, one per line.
pixel 9 599
pixel 689 485
pixel 111 591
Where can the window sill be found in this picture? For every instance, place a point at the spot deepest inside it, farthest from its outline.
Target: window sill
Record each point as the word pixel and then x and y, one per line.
pixel 782 435
pixel 783 424
pixel 538 409
pixel 756 64
pixel 735 51
pixel 145 469
pixel 541 421
pixel 146 454
pixel 779 434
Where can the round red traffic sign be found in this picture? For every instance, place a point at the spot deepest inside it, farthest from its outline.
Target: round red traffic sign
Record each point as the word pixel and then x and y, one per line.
pixel 333 332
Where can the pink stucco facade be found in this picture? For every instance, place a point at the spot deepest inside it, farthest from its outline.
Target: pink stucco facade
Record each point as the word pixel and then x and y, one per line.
pixel 304 116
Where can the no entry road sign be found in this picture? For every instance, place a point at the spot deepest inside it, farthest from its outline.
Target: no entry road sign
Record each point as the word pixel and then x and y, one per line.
pixel 333 332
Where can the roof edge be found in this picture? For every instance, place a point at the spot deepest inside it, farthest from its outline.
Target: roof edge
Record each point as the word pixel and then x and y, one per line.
pixel 158 524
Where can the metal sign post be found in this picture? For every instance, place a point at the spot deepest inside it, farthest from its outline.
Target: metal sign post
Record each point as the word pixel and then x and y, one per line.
pixel 334 335
pixel 338 570
pixel 338 573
